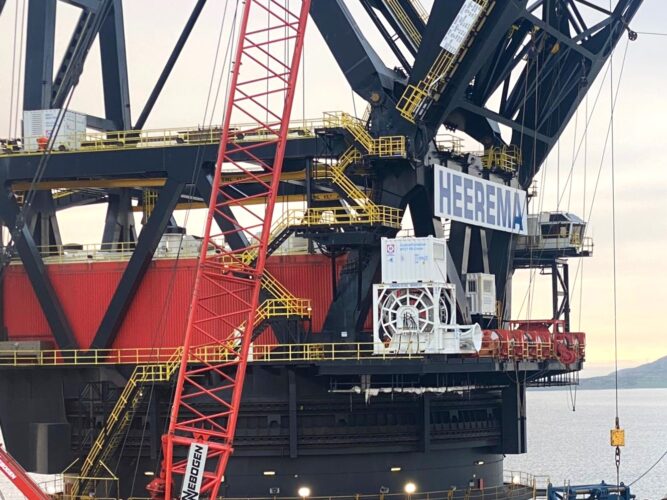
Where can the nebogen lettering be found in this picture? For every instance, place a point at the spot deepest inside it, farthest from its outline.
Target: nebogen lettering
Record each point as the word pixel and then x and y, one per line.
pixel 191 492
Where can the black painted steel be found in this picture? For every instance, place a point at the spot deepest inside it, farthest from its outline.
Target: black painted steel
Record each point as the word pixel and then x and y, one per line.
pixel 34 266
pixel 169 65
pixel 138 264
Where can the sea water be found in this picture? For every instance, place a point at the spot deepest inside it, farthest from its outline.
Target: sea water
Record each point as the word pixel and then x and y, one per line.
pixel 568 438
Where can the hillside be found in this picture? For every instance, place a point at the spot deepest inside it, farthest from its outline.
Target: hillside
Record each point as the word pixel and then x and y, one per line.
pixel 649 375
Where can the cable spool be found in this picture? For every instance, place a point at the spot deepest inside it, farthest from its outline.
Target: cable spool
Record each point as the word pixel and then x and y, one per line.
pixel 407 317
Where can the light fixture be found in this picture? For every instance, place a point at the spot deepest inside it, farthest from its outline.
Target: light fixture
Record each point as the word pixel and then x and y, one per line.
pixel 304 492
pixel 479 462
pixel 269 473
pixel 149 473
pixel 516 480
pixel 395 469
pixel 410 488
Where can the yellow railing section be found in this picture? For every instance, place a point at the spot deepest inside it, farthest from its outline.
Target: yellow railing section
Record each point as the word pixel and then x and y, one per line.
pixel 384 147
pixel 336 173
pixel 511 350
pixel 162 356
pixel 121 251
pixel 416 99
pixel 404 20
pixel 121 415
pixel 505 158
pixel 367 215
pixel 419 8
pixel 239 133
pixel 149 200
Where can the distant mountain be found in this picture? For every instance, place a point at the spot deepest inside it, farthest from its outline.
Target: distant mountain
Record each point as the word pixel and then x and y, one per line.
pixel 650 375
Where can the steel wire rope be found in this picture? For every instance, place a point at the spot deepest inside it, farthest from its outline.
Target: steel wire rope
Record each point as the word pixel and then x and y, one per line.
pixel 584 141
pixel 44 158
pixel 196 171
pixel 649 469
pixel 613 244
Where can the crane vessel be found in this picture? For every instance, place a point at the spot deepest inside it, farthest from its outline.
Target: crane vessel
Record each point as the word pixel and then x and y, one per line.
pixel 342 326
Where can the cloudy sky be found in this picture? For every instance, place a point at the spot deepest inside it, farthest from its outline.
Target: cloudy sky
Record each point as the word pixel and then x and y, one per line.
pixel 152 27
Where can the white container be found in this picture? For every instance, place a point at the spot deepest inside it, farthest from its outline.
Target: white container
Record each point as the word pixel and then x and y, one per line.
pixel 481 293
pixel 42 123
pixel 414 260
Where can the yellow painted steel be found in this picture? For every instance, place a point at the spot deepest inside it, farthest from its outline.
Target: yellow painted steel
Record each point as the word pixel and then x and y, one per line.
pixel 150 197
pixel 504 158
pixel 416 99
pixel 89 183
pixel 404 20
pixel 158 359
pixel 617 437
pixel 123 411
pixel 419 8
pixel 384 147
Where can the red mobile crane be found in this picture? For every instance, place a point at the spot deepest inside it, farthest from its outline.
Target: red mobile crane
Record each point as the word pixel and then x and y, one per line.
pixel 20 478
pixel 225 299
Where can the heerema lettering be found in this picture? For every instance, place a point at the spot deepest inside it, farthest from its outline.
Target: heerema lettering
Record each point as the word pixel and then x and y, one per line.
pixel 194 472
pixel 472 200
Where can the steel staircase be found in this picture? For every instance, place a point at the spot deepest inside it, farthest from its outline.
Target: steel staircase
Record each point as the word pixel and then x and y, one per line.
pixel 110 437
pixel 393 146
pixel 416 100
pixel 107 441
pixel 403 19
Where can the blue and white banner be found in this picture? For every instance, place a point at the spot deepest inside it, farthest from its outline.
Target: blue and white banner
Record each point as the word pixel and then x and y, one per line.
pixel 476 201
pixel 194 471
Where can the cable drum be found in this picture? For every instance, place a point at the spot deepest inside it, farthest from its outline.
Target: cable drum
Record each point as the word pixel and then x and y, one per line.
pixel 406 318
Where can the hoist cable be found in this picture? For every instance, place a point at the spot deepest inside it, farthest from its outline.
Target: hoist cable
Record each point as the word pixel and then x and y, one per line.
pixel 196 172
pixel 649 469
pixel 612 103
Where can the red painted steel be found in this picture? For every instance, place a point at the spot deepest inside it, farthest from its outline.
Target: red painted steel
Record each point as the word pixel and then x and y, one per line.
pixel 20 478
pixel 266 65
pixel 159 311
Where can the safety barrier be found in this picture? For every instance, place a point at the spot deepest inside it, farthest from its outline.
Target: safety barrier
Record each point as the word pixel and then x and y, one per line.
pixel 419 8
pixel 404 20
pixel 498 348
pixel 503 158
pixel 390 146
pixel 508 490
pixel 385 146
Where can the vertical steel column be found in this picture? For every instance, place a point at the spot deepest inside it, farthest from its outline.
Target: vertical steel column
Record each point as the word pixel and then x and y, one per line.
pixel 39 50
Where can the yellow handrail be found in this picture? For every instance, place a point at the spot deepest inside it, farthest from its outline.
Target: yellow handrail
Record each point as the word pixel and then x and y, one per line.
pixel 189 136
pixel 404 20
pixel 500 350
pixel 384 146
pixel 416 98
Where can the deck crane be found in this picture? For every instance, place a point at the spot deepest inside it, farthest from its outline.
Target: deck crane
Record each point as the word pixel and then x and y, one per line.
pixel 228 281
pixel 20 478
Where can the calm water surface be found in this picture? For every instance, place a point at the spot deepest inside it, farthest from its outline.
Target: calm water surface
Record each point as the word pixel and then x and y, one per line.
pixel 566 444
